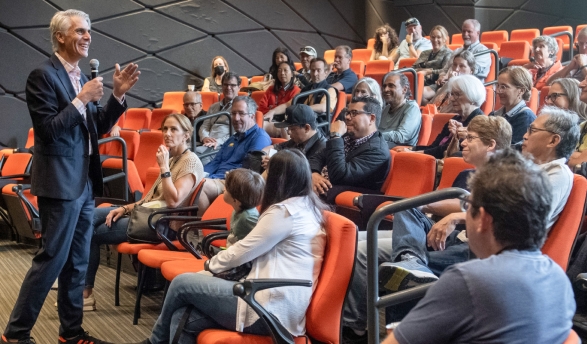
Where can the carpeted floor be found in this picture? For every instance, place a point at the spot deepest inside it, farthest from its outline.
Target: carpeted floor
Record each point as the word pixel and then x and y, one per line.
pixel 108 322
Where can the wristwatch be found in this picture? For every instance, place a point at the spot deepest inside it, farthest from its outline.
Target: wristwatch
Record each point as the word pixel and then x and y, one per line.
pixel 334 135
pixel 165 175
pixel 409 44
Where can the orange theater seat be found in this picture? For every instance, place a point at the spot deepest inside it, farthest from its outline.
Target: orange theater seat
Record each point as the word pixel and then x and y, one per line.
pixel 526 35
pixel 425 129
pixel 489 103
pixel 563 233
pixel 371 43
pixel 257 78
pixel 137 118
pixel 257 96
pixel 323 316
pixel 451 169
pixel 244 81
pixel 457 38
pixel 377 69
pixel 438 122
pixel 542 98
pixel 358 67
pixel 30 141
pixel 406 62
pixel 157 116
pixel 497 37
pixel 362 55
pixel 515 50
pixel 297 65
pixel 556 29
pixel 173 100
pixel 208 98
pixel 329 56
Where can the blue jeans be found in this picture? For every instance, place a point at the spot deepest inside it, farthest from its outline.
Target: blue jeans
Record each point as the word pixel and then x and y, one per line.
pixel 214 306
pixel 410 228
pixel 103 236
pixel 355 306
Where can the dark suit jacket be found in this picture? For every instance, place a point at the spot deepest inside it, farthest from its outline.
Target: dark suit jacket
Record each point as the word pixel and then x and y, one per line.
pixel 61 164
pixel 365 167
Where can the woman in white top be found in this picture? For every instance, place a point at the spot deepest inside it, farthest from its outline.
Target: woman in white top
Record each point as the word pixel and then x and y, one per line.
pixel 287 242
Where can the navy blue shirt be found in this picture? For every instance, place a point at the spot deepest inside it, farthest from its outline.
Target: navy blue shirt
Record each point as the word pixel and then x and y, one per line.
pixel 348 79
pixel 235 149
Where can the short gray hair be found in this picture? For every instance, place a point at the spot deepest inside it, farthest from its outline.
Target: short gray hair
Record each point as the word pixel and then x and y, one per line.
pixel 251 105
pixel 403 81
pixel 550 43
pixel 61 22
pixel 475 23
pixel 471 87
pixel 564 123
pixel 348 51
pixel 373 86
pixel 571 88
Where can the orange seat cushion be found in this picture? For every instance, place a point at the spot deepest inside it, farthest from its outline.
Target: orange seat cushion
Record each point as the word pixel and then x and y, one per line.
pixel 154 258
pixel 172 269
pixel 346 199
pixel 128 248
pixel 229 337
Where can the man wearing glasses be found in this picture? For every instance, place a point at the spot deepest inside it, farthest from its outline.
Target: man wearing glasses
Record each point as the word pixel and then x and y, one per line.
pixel 192 108
pixel 356 157
pixel 215 131
pixel 512 293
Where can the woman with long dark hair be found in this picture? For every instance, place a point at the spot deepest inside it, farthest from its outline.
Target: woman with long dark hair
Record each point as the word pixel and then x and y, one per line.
pixel 280 55
pixel 282 91
pixel 287 242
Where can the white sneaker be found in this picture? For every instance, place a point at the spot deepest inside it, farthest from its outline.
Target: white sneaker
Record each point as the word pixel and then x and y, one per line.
pixel 89 303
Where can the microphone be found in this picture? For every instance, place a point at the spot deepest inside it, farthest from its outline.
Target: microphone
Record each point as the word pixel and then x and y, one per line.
pixel 94 64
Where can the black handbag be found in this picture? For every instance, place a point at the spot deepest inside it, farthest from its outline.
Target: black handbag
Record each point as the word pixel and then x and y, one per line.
pixel 138 231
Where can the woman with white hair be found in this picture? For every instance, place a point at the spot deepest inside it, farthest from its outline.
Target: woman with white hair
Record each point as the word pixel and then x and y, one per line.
pixel 466 95
pixel 365 87
pixel 544 63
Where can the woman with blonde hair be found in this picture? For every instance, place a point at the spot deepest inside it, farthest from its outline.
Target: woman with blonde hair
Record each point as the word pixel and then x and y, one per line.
pixel 432 61
pixel 213 83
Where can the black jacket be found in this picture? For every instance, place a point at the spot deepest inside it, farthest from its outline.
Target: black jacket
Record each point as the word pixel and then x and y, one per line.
pixel 314 146
pixel 365 167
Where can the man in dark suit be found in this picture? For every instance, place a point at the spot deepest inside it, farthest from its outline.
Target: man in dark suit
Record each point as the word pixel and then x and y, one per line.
pixel 356 157
pixel 66 174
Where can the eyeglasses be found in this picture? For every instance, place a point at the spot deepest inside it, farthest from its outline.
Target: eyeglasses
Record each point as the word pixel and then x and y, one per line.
pixel 190 104
pixel 465 203
pixel 354 113
pixel 532 130
pixel 502 87
pixel 470 137
pixel 553 96
pixel 229 85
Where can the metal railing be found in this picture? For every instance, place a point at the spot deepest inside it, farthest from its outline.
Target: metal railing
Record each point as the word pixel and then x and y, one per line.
pixel 415 74
pixel 124 173
pixel 317 91
pixel 374 302
pixel 570 35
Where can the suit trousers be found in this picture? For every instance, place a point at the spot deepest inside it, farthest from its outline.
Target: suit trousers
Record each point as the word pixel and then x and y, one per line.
pixel 66 235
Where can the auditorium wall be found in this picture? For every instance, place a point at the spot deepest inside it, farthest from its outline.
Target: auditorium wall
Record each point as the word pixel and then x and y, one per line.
pixel 174 41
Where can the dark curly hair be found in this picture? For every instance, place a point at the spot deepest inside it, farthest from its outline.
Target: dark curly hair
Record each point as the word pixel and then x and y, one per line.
pixel 394 40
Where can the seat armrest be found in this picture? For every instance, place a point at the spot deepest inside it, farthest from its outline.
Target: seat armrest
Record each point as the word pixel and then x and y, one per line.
pixel 186 228
pixel 370 202
pixel 208 239
pixel 14 176
pixel 246 291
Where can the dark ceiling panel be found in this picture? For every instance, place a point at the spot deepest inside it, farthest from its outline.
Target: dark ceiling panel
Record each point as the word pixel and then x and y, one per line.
pixel 354 13
pixel 272 14
pixel 297 40
pixel 149 31
pixel 131 101
pixel 500 3
pixel 335 41
pixel 99 9
pixel 324 17
pixel 24 13
pixel 16 121
pixel 154 3
pixel 523 19
pixel 197 57
pixel 156 77
pixel 490 18
pixel 19 55
pixel 212 16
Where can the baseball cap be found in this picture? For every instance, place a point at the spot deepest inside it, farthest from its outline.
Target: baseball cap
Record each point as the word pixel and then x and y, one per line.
pixel 308 50
pixel 412 21
pixel 298 114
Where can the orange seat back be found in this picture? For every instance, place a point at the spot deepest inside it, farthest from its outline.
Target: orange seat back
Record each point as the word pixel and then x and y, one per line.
pixel 438 122
pixel 257 96
pixel 371 43
pixel 340 104
pixel 406 62
pixel 277 140
pixel 497 37
pixel 157 116
pixel 526 35
pixel 358 67
pixel 217 210
pixel 563 234
pixel 329 56
pixel 425 129
pixel 173 100
pixel 542 98
pixel 137 118
pixel 515 50
pixel 244 81
pixel 452 167
pixel 16 163
pixel 132 140
pixel 489 103
pixel 556 29
pixel 30 141
pixel 298 65
pixel 457 38
pixel 362 55
pixel 377 69
pixel 259 119
pixel 491 75
pixel 208 98
pixel 146 153
pixel 151 177
pixel 412 175
pixel 257 78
